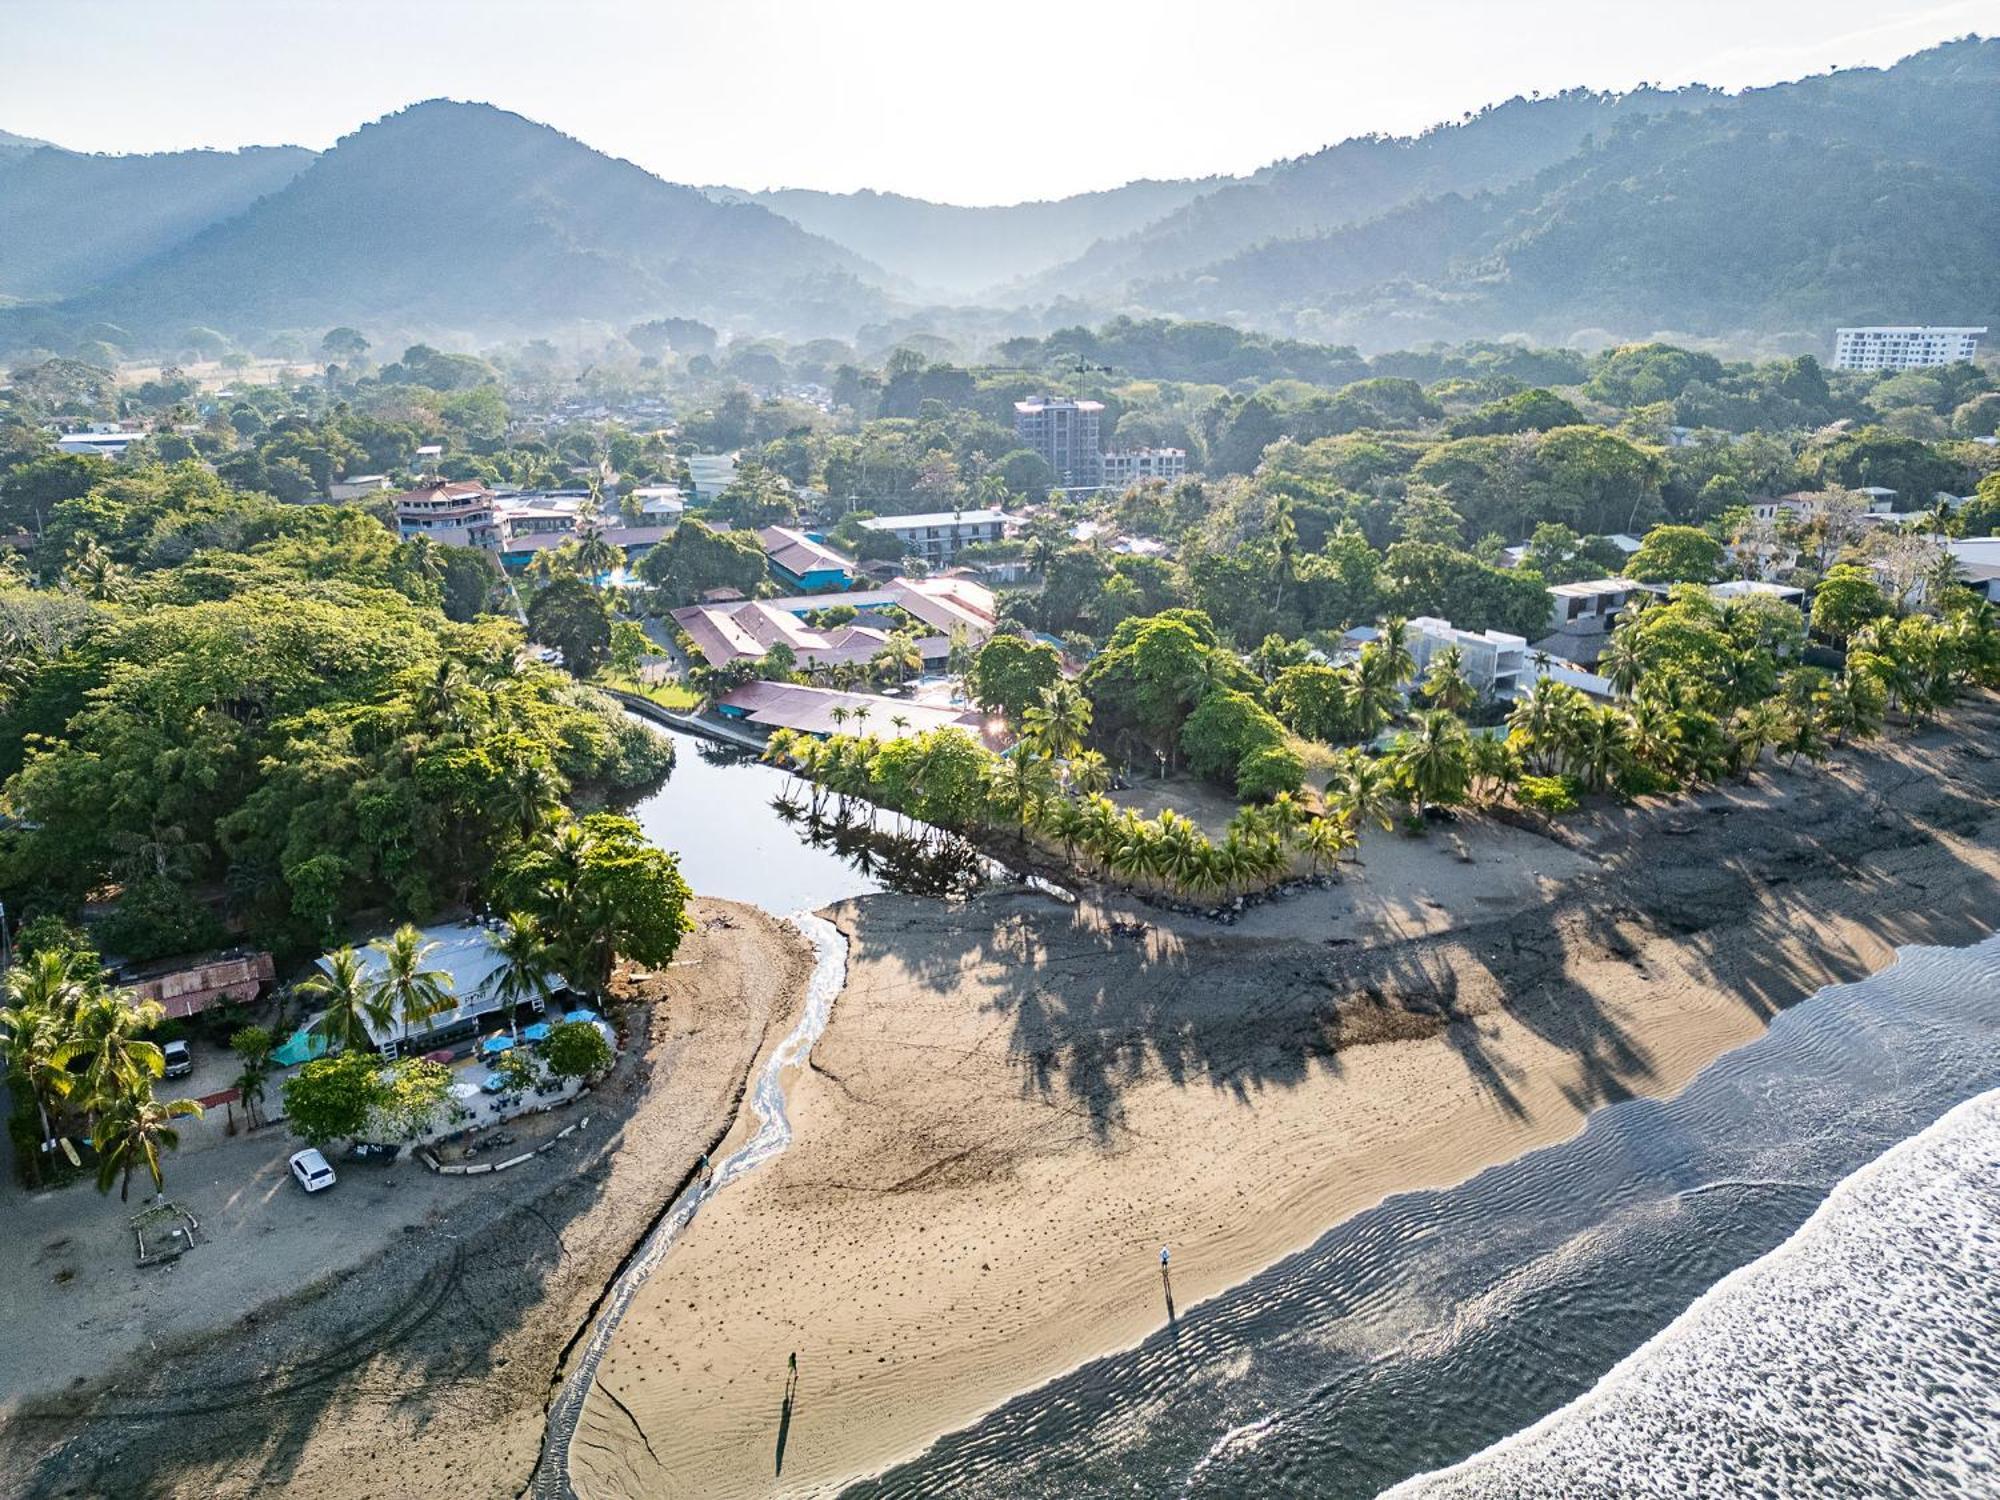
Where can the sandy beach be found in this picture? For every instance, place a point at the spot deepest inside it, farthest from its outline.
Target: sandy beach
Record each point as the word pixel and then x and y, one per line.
pixel 1017 1103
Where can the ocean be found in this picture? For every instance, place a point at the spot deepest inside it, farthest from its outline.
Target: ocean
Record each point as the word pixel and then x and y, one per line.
pixel 1780 1281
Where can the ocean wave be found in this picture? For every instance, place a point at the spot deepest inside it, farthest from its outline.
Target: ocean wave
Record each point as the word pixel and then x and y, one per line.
pixel 1860 1357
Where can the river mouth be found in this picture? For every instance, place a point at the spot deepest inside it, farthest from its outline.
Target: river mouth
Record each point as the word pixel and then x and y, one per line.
pixel 1430 1327
pixel 772 1135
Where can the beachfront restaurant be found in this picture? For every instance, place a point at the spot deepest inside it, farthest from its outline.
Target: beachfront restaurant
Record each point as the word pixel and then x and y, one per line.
pixel 467 954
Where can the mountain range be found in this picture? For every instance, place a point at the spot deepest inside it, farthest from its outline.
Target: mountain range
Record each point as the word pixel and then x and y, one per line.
pixel 1858 195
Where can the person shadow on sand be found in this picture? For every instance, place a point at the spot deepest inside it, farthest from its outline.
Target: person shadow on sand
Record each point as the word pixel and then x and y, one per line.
pixel 785 1411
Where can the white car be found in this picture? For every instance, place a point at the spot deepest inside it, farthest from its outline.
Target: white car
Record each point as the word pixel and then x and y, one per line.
pixel 312 1170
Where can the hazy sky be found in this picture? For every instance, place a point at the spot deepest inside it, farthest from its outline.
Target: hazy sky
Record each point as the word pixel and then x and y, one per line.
pixel 968 102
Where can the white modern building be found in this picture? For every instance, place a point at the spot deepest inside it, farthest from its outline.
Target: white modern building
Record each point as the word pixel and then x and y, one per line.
pixel 1903 348
pixel 358 486
pixel 937 536
pixel 1126 467
pixel 1591 606
pixel 106 442
pixel 1493 661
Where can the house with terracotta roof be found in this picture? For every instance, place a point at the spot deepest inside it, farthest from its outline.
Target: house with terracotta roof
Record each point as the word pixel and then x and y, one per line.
pixel 744 630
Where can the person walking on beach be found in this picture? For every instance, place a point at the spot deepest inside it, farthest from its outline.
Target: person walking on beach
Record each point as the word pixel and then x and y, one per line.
pixel 1163 1257
pixel 794 1364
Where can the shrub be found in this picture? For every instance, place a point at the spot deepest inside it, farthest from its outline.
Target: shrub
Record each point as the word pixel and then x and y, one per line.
pixel 1552 795
pixel 577 1049
pixel 1267 771
pixel 1645 781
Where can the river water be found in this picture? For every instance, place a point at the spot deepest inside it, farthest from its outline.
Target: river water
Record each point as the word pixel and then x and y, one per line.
pixel 1437 1324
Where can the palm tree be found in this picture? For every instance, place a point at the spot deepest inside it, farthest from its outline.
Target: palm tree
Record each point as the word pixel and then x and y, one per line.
pixel 1446 685
pixel 1363 790
pixel 838 713
pixel 31 1041
pixel 1436 760
pixel 1604 746
pixel 1323 840
pixel 1377 692
pixel 525 959
pixel 353 1007
pixel 1494 765
pixel 106 1037
pixel 1059 722
pixel 131 1131
pixel 410 992
pixel 900 723
pixel 1021 781
pixel 1089 773
pixel 1752 731
pixel 1620 662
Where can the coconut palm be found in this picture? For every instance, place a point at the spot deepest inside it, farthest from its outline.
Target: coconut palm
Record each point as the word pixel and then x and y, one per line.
pixel 131 1132
pixel 1435 760
pixel 32 1038
pixel 525 960
pixel 106 1037
pixel 1059 722
pixel 1604 746
pixel 1445 684
pixel 1323 841
pixel 1494 766
pixel 1363 790
pixel 1620 662
pixel 1089 773
pixel 1020 781
pixel 1377 695
pixel 352 1007
pixel 411 993
pixel 1752 730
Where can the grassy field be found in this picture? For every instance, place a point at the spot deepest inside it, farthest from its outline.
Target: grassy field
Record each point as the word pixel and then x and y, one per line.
pixel 669 695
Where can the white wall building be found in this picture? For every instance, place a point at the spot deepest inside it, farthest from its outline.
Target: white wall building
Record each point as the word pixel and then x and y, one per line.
pixel 1591 606
pixel 712 473
pixel 1126 467
pixel 1903 348
pixel 936 536
pixel 1493 661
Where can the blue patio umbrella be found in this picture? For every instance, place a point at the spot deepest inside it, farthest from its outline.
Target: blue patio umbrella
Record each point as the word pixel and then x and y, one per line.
pixel 588 1017
pixel 539 1032
pixel 496 1044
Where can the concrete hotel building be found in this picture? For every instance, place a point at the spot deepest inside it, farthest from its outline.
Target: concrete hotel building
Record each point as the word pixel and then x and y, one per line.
pixel 1126 467
pixel 1903 348
pixel 1064 432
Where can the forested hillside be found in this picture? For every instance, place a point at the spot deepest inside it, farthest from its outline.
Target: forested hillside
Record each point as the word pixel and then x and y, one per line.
pixel 74 220
pixel 1862 196
pixel 460 216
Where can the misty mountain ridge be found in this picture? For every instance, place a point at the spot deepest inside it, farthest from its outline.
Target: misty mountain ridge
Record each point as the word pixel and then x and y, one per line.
pixel 1859 195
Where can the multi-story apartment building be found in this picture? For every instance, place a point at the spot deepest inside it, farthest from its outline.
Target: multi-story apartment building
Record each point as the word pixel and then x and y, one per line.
pixel 459 513
pixel 1907 348
pixel 936 536
pixel 1126 467
pixel 1064 432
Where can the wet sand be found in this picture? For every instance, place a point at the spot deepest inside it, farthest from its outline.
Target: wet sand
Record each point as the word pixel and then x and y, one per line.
pixel 1017 1103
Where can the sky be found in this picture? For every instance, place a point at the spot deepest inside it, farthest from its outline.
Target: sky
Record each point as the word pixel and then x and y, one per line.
pixel 958 100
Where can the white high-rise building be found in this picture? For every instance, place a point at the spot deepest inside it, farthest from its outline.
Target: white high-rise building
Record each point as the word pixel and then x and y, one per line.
pixel 1903 348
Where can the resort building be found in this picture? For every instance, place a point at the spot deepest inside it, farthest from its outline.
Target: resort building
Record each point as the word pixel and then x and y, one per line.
pixel 186 990
pixel 1127 467
pixel 1064 432
pixel 1903 348
pixel 472 966
pixel 937 536
pixel 1493 661
pixel 800 562
pixel 660 502
pixel 458 514
pixel 825 711
pixel 730 631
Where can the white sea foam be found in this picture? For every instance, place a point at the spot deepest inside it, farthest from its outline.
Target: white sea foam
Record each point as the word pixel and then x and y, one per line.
pixel 1860 1357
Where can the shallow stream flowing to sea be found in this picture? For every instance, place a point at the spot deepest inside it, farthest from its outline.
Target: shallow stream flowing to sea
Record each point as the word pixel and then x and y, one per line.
pixel 773 1134
pixel 1421 1332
